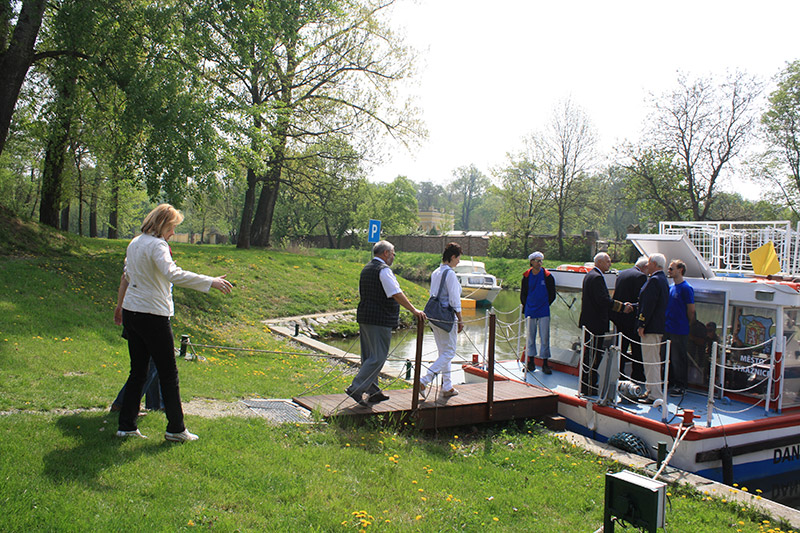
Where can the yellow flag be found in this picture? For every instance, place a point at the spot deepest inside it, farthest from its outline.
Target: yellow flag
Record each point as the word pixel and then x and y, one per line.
pixel 765 260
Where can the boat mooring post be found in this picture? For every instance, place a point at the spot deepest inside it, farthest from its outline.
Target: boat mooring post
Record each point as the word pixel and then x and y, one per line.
pixel 490 362
pixel 184 344
pixel 417 364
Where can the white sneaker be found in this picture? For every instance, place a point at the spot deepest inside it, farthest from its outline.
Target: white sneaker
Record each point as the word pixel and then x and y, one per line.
pixel 450 393
pixel 134 433
pixel 183 436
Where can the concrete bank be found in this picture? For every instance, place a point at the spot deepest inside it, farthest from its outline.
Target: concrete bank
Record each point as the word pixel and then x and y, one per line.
pixel 303 325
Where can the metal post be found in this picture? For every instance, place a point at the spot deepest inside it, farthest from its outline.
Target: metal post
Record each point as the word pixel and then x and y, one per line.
pixel 417 364
pixel 184 344
pixel 408 369
pixel 490 383
pixel 485 335
pixel 582 360
pixel 665 387
pixel 661 453
pixel 712 383
pixel 520 331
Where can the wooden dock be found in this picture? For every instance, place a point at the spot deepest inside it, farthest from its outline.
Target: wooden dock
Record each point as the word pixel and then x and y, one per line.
pixel 510 401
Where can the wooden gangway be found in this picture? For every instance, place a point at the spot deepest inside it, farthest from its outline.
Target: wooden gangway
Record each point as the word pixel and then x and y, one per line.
pixel 492 401
pixel 512 401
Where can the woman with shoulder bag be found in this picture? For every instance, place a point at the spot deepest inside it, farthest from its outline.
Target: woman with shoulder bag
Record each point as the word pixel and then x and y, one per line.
pixel 445 288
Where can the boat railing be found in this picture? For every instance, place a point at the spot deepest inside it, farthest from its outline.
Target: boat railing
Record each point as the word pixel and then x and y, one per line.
pixel 726 246
pixel 717 388
pixel 663 384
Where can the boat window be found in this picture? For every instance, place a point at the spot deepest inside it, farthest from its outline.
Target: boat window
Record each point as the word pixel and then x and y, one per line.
pixel 703 333
pixel 746 368
pixel 474 280
pixel 565 335
pixel 791 367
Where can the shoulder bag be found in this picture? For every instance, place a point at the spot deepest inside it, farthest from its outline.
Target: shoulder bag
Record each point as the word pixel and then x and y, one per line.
pixel 438 315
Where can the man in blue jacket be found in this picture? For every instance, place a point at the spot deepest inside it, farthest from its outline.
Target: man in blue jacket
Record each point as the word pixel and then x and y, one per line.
pixel 537 293
pixel 652 321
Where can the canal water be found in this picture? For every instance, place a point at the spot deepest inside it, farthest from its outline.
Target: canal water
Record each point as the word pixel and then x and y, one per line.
pixel 471 341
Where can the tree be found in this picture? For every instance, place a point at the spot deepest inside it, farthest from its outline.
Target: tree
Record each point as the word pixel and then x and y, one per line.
pixel 290 73
pixel 17 54
pixel 696 131
pixel 394 204
pixel 431 196
pixel 565 152
pixel 526 198
pixel 781 123
pixel 467 189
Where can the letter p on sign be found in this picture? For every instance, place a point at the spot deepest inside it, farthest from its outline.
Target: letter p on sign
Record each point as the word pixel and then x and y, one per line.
pixel 374 230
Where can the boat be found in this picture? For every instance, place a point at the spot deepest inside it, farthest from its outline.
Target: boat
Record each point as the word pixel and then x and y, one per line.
pixel 476 283
pixel 738 420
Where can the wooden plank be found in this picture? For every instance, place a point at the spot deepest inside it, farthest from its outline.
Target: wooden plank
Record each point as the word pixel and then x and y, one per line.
pixel 512 401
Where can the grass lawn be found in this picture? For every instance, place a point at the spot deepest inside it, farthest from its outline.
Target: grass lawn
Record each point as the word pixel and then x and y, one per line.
pixel 62 361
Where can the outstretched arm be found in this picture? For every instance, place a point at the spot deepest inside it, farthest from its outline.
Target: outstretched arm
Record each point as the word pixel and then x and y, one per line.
pixel 401 298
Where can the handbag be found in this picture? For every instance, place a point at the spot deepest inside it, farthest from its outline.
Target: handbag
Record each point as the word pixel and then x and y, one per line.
pixel 438 315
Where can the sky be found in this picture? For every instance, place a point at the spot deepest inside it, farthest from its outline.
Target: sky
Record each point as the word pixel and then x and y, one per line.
pixel 493 71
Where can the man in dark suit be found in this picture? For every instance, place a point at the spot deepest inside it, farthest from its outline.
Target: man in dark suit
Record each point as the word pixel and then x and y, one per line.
pixel 596 305
pixel 651 323
pixel 629 283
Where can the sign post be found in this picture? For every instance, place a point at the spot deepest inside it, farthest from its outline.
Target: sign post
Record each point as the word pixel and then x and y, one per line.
pixel 374 230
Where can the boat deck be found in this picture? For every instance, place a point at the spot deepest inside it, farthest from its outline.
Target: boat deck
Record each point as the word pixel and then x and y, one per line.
pixel 726 412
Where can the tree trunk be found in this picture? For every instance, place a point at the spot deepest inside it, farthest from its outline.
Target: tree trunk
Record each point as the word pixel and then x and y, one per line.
pixel 65 218
pixel 57 144
pixel 262 222
pixel 243 240
pixel 93 212
pixel 113 215
pixel 17 59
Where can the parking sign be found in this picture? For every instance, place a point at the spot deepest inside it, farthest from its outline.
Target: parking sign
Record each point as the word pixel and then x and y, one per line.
pixel 374 230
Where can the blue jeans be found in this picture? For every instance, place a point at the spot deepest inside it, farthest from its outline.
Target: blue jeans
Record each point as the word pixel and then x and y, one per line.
pixel 543 326
pixel 152 387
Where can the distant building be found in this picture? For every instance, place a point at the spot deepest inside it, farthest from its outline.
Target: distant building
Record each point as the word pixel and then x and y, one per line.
pixel 431 219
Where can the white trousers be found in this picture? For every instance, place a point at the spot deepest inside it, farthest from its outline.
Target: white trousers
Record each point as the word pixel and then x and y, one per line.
pixel 651 356
pixel 446 343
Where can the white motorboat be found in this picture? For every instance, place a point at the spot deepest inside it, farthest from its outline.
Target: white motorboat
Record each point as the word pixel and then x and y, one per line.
pixel 476 283
pixel 738 420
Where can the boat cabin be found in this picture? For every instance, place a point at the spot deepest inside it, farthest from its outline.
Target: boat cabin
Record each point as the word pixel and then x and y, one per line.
pixel 747 323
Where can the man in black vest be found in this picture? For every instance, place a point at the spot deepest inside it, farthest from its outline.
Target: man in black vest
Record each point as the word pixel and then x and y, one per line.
pixel 377 315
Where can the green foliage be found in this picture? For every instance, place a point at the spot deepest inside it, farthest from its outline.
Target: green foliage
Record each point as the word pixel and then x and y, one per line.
pixel 782 125
pixel 394 204
pixel 468 189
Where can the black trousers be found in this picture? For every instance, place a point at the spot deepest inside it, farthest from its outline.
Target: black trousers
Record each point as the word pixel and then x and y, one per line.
pixel 150 336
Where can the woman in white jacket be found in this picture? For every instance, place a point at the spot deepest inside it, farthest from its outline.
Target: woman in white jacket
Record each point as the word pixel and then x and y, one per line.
pixel 445 340
pixel 145 312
